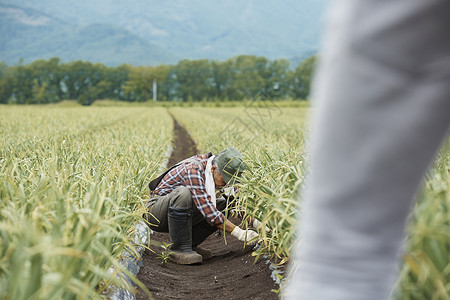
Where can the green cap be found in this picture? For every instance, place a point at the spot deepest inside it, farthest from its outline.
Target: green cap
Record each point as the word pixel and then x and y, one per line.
pixel 231 162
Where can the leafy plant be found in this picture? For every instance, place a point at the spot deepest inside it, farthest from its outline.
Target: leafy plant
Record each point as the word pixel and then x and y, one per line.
pixel 425 272
pixel 72 183
pixel 267 136
pixel 272 140
pixel 165 254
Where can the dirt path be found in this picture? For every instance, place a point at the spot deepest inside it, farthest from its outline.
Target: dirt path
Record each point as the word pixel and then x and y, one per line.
pixel 183 145
pixel 230 274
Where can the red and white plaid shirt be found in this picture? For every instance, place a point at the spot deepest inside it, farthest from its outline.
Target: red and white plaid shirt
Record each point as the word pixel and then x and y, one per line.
pixel 192 176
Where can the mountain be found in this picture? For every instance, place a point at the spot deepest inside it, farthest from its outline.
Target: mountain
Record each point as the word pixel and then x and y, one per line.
pixel 29 34
pixel 149 32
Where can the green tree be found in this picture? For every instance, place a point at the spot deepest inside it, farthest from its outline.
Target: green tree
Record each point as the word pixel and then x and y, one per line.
pixel 22 84
pixel 140 82
pixel 249 73
pixel 94 92
pixel 222 75
pixel 5 85
pixel 46 78
pixel 77 78
pixel 118 77
pixel 301 79
pixel 39 91
pixel 276 84
pixel 245 76
pixel 194 80
pixel 162 73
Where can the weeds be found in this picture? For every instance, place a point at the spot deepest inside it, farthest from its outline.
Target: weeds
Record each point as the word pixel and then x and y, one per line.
pixel 165 254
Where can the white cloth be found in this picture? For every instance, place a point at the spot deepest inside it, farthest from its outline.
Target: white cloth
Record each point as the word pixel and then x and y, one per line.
pixel 229 191
pixel 209 181
pixel 383 109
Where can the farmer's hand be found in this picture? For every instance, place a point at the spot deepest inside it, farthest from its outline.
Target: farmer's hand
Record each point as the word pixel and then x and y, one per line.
pixel 247 235
pixel 257 224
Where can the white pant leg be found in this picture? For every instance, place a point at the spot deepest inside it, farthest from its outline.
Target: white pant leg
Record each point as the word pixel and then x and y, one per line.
pixel 383 108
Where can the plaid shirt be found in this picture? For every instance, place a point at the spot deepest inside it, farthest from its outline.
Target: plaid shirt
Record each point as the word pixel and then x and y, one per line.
pixel 192 176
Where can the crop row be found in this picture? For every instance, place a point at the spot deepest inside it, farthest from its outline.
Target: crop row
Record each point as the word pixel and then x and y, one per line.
pixel 272 139
pixel 72 183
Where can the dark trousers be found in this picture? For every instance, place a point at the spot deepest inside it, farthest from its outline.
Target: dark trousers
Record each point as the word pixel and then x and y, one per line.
pixel 158 209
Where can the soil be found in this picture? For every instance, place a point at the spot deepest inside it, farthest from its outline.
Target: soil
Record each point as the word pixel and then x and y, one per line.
pixel 183 145
pixel 231 273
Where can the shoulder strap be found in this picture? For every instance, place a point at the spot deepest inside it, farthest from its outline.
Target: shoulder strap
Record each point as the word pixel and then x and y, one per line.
pixel 154 183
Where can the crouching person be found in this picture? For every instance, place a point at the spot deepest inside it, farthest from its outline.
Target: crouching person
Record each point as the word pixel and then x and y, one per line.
pixel 183 202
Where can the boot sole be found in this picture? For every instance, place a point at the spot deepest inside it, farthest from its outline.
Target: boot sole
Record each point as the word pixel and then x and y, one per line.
pixel 205 253
pixel 186 259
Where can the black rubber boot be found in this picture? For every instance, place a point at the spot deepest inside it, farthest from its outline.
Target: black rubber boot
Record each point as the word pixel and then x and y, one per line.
pixel 200 232
pixel 180 231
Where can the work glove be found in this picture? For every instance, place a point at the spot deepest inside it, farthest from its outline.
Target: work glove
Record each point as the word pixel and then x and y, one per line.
pixel 257 224
pixel 245 235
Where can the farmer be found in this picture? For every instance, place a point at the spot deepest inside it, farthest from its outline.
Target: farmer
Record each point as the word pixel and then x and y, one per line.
pixel 183 202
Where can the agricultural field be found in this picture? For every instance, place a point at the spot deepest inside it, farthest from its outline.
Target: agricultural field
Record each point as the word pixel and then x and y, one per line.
pixel 72 184
pixel 425 273
pixel 273 140
pixel 73 181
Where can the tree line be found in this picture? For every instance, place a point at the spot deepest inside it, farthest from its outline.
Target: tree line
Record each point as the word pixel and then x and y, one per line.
pixel 235 79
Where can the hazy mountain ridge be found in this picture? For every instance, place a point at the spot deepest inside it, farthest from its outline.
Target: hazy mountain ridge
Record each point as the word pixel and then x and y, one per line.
pixel 167 30
pixel 30 34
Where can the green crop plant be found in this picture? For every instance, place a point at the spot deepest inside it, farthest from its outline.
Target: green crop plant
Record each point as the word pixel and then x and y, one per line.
pixel 269 192
pixel 425 273
pixel 165 254
pixel 73 182
pixel 272 140
pixel 273 143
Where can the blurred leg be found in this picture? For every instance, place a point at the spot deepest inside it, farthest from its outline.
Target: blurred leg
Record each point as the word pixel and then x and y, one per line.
pixel 383 109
